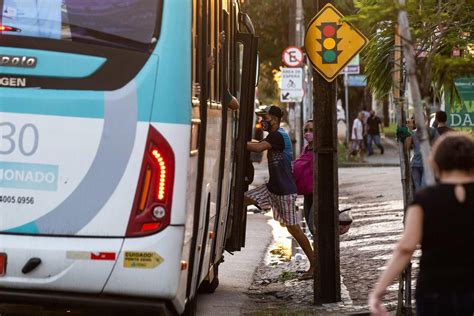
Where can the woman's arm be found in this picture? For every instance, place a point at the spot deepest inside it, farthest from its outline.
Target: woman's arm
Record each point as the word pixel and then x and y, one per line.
pixel 402 254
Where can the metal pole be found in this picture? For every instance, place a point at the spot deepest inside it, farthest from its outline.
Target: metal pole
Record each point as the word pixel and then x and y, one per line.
pixel 291 105
pixel 346 96
pixel 327 282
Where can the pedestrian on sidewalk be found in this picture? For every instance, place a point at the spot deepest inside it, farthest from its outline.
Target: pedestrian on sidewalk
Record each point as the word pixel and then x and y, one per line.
pixel 303 172
pixel 441 220
pixel 374 127
pixel 280 192
pixel 357 143
pixel 416 162
pixel 441 119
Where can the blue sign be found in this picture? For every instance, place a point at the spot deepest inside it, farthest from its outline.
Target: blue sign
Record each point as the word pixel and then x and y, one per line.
pixel 28 176
pixel 356 81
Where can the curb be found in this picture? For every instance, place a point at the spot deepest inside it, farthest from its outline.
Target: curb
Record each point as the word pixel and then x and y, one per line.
pixel 361 165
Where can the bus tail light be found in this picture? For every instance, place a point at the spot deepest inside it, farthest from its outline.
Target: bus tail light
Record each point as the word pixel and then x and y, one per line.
pixel 151 210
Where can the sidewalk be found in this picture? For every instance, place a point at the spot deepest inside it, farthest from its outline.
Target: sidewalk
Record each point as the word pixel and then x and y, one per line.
pixel 390 158
pixel 376 200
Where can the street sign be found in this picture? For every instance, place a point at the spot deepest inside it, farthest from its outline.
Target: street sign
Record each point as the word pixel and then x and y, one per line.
pixel 331 43
pixel 461 111
pixel 291 85
pixel 353 67
pixel 292 56
pixel 356 81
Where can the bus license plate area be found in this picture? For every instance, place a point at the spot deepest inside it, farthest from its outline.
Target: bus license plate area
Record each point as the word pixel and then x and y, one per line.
pixel 3 264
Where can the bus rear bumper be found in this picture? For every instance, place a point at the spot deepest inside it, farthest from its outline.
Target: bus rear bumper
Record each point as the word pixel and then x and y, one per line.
pixel 78 300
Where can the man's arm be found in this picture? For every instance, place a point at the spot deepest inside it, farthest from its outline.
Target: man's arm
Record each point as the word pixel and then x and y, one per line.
pixel 258 147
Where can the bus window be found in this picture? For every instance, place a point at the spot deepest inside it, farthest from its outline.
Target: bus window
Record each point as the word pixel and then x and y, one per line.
pixel 238 74
pixel 32 18
pixel 94 21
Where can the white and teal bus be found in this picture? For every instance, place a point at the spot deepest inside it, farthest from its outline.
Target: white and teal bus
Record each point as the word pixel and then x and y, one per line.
pixel 118 187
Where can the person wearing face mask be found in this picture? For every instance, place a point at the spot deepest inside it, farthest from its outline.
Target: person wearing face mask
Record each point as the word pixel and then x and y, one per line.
pixel 280 192
pixel 303 172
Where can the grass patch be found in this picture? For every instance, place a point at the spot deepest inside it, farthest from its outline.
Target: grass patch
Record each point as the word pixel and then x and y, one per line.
pixel 287 275
pixel 391 130
pixel 341 153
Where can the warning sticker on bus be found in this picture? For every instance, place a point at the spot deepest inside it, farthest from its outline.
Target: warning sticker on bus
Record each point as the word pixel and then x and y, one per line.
pixel 142 260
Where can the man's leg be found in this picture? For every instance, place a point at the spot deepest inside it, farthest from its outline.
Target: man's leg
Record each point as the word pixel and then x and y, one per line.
pixel 370 139
pixel 378 143
pixel 416 176
pixel 249 201
pixel 362 152
pixel 297 233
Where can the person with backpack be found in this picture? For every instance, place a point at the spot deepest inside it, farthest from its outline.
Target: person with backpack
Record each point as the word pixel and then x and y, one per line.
pixel 303 172
pixel 441 220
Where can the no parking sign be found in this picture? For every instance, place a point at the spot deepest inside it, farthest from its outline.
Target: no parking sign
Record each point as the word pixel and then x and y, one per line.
pixel 292 56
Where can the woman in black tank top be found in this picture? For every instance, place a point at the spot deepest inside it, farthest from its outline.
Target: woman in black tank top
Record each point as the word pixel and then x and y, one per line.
pixel 441 220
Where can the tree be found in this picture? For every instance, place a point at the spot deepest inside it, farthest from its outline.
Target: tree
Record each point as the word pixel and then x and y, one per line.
pixel 437 27
pixel 434 31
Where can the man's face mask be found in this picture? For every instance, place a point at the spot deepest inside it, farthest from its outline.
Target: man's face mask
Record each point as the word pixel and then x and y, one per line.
pixel 266 125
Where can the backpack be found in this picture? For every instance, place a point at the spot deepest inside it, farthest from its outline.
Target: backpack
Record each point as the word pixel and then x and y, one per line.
pixel 303 172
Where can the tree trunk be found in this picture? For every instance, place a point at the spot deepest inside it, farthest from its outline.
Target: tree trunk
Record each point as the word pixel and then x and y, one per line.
pixel 409 54
pixel 404 279
pixel 386 115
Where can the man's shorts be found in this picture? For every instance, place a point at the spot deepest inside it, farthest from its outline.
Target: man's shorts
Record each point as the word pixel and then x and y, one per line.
pixel 283 206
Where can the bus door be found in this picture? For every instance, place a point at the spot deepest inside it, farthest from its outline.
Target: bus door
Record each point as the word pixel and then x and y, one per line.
pixel 243 170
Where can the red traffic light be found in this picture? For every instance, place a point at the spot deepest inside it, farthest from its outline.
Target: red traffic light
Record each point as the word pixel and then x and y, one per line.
pixel 329 30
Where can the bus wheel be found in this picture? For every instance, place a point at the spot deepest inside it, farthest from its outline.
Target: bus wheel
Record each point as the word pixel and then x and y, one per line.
pixel 210 287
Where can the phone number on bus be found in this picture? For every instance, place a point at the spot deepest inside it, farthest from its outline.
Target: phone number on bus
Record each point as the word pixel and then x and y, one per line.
pixel 10 199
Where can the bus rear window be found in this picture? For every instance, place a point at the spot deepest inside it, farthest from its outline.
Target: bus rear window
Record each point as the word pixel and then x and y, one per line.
pixel 123 23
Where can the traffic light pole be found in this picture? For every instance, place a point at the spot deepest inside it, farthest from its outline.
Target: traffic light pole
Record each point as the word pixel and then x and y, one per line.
pixel 327 283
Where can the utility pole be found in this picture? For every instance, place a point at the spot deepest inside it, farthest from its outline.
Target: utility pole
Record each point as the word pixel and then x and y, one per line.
pixel 291 106
pixel 327 281
pixel 346 97
pixel 299 41
pixel 404 284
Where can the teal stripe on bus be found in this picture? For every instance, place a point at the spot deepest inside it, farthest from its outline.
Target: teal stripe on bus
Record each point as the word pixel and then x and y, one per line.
pixel 53 64
pixel 173 95
pixel 88 104
pixel 29 228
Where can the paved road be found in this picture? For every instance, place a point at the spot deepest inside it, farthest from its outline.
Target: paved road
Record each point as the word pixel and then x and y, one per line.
pixel 236 273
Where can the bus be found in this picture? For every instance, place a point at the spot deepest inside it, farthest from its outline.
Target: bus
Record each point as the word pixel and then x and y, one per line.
pixel 121 186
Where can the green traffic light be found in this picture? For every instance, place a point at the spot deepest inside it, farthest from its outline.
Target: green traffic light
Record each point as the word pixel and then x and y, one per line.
pixel 329 56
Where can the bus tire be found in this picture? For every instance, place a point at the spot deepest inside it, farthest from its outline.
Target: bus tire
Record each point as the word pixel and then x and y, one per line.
pixel 210 287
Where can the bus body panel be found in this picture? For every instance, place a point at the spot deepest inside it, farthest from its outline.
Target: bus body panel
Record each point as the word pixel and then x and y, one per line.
pixel 81 188
pixel 97 141
pixel 53 64
pixel 156 279
pixel 67 264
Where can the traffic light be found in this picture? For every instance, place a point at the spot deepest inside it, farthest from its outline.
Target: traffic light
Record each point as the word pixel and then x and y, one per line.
pixel 329 42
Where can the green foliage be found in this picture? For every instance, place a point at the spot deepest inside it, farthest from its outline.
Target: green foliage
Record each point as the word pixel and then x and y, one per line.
pixel 437 27
pixel 270 18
